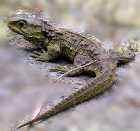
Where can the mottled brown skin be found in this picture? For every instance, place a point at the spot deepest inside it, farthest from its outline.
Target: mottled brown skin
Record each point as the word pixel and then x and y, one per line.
pixel 60 43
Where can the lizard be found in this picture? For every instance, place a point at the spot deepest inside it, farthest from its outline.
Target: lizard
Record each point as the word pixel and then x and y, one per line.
pixel 52 43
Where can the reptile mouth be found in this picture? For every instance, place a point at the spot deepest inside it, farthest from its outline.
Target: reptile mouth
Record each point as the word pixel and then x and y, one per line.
pixel 14 29
pixel 20 42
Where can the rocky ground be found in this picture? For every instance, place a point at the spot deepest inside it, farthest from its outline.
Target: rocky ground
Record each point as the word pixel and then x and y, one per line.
pixel 26 86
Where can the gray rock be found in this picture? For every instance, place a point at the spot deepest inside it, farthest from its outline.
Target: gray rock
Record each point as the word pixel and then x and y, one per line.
pixel 26 86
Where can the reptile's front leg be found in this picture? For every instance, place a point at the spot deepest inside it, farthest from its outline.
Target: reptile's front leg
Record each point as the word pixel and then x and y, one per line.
pixel 53 52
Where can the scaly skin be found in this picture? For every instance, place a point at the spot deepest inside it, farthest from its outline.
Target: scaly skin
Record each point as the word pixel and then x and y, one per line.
pixel 78 49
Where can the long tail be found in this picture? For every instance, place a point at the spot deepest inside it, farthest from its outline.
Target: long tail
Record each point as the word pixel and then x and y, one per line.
pixel 94 87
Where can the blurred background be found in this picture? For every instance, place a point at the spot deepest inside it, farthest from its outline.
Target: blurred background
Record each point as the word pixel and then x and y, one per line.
pixel 107 19
pixel 25 85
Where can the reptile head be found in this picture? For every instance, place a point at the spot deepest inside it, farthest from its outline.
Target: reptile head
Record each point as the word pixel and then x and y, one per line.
pixel 27 24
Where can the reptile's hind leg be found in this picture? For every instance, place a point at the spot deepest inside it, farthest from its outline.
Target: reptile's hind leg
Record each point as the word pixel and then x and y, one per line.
pixel 81 62
pixel 60 68
pixel 76 69
pixel 67 70
pixel 73 70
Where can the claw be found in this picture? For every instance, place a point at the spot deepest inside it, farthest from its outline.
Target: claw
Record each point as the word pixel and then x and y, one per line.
pixel 36 52
pixel 40 59
pixel 34 55
pixel 43 51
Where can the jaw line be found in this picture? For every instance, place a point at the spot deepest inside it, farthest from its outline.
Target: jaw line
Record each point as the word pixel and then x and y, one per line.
pixel 16 30
pixel 26 36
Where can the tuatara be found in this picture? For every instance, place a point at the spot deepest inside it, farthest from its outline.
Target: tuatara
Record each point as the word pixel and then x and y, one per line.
pixel 52 43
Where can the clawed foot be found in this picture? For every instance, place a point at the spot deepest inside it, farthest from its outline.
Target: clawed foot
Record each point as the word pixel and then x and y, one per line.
pixel 40 56
pixel 61 69
pixel 68 71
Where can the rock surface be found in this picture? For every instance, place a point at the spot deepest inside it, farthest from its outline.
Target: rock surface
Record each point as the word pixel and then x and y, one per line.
pixel 26 87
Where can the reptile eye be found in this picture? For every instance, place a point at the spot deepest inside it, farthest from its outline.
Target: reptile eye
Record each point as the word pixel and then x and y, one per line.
pixel 22 23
